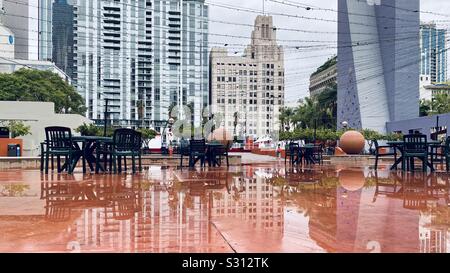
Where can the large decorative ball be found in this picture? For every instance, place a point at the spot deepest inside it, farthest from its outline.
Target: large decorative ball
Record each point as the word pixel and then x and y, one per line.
pixel 352 142
pixel 352 180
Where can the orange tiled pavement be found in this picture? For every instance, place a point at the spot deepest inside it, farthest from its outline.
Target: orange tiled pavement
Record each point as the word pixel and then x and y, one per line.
pixel 245 209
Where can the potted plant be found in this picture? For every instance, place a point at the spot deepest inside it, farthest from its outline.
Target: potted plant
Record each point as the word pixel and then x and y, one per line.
pixel 89 130
pixel 17 128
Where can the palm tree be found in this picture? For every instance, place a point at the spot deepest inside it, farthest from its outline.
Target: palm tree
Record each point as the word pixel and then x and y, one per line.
pixel 286 116
pixel 440 104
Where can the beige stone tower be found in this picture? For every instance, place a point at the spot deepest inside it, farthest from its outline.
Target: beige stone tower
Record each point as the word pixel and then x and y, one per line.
pixel 249 89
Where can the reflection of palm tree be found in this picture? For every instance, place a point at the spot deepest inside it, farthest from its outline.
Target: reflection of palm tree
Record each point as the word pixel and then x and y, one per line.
pixel 14 190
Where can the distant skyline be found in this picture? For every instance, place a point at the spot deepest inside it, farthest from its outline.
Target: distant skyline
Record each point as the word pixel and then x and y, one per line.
pixel 299 65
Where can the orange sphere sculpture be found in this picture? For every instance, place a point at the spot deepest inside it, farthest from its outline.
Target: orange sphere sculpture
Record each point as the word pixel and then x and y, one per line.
pixel 352 180
pixel 352 142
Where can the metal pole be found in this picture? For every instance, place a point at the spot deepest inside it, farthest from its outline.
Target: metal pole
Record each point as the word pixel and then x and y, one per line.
pixel 105 116
pixel 315 130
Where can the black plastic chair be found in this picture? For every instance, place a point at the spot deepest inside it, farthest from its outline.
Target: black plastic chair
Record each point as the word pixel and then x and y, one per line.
pixel 223 151
pixel 183 150
pixel 292 151
pixel 126 142
pixel 59 143
pixel 378 153
pixel 415 146
pixel 447 153
pixel 197 151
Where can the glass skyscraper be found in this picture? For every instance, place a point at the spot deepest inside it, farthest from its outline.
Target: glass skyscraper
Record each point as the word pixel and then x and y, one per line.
pixel 181 75
pixel 143 56
pixel 63 36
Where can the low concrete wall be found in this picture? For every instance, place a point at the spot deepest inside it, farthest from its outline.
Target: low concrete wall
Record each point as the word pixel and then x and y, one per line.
pixel 359 160
pixel 34 162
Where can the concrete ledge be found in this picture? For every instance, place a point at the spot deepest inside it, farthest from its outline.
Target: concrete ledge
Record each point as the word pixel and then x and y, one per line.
pixel 34 163
pixel 358 159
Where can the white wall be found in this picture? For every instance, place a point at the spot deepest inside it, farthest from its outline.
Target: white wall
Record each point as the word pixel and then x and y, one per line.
pixel 37 115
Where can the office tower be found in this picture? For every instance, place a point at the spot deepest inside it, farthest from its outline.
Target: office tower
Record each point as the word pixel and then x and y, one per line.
pixel 63 43
pixel 30 21
pixel 248 90
pixel 378 63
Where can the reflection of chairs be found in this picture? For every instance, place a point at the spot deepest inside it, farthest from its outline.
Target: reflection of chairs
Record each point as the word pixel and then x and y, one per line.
pixel 415 146
pixel 417 192
pixel 386 187
pixel 57 211
pixel 379 153
pixel 124 205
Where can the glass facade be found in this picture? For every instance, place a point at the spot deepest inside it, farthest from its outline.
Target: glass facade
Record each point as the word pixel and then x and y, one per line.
pixel 143 56
pixel 45 30
pixel 433 53
pixel 181 58
pixel 63 36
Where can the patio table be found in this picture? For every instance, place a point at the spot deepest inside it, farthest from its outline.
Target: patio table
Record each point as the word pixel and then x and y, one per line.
pixel 88 146
pixel 400 145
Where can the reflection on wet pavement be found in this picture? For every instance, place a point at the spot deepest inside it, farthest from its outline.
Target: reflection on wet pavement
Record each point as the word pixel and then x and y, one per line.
pixel 242 209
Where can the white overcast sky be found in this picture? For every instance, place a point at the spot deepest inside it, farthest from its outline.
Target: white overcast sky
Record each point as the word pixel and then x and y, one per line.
pixel 298 64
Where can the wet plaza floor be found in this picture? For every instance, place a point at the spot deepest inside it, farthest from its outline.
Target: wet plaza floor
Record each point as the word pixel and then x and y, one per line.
pixel 254 208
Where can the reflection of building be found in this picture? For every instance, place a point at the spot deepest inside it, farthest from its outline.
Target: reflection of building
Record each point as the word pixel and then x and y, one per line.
pixel 378 63
pixel 433 54
pixel 252 198
pixel 324 77
pixel 252 85
pixel 432 239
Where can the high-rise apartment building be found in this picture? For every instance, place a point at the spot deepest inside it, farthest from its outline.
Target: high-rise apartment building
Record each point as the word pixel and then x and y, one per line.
pixel 31 23
pixel 143 56
pixel 112 57
pixel 324 77
pixel 377 80
pixel 248 90
pixel 433 54
pixel 180 59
